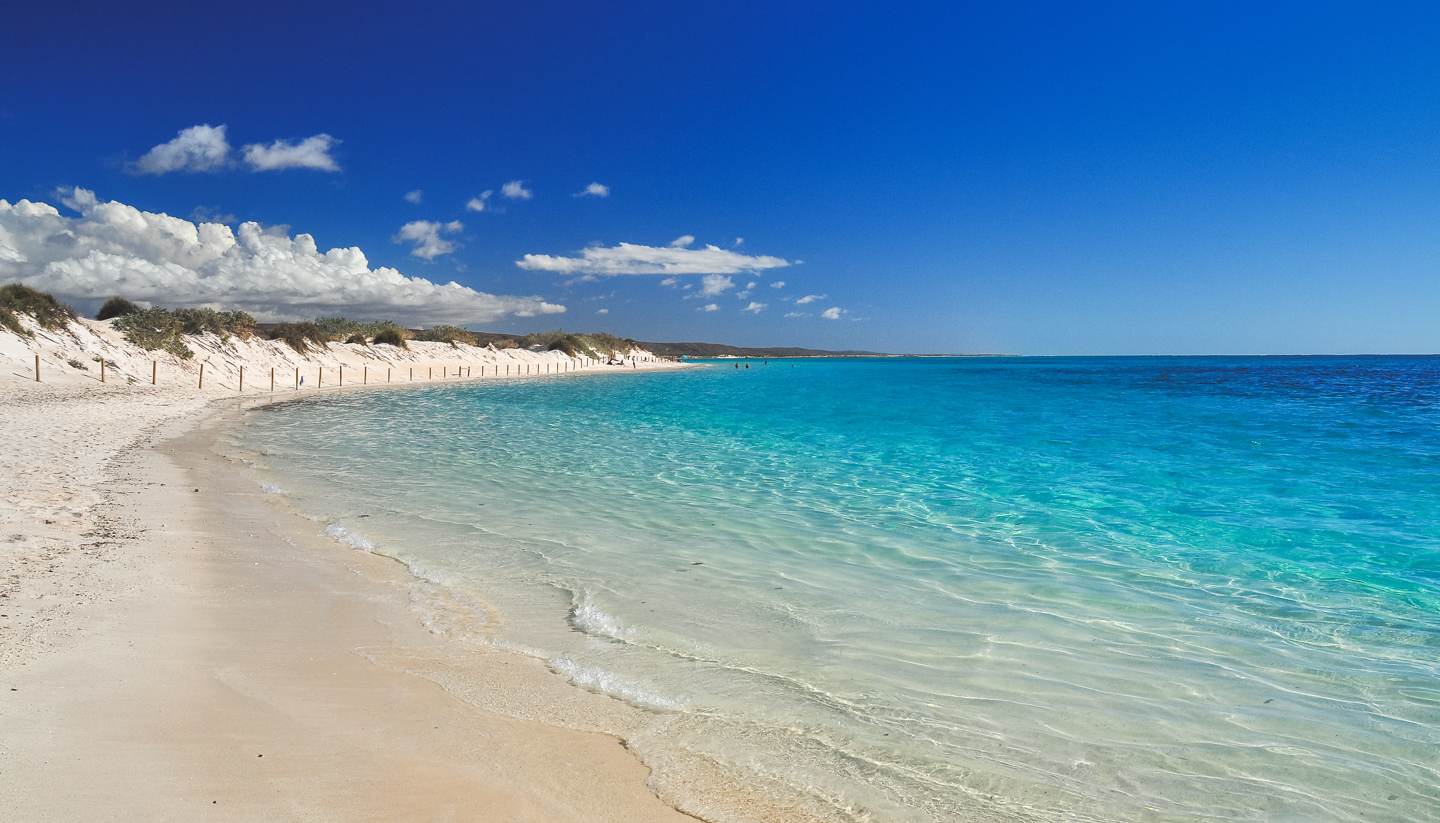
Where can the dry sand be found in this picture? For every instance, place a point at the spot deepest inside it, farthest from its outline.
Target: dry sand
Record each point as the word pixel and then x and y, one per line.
pixel 176 646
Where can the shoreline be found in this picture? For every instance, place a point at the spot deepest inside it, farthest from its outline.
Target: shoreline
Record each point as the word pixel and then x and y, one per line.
pixel 216 622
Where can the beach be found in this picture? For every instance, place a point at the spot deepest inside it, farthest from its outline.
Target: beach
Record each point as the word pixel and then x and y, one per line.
pixel 177 646
pixel 617 593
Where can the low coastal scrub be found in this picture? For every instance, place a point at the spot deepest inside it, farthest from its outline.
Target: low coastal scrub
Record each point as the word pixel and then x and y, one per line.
pixel 302 336
pixel 222 324
pixel 596 345
pixel 153 329
pixel 447 334
pixel 390 335
pixel 116 307
pixel 298 336
pixel 49 313
pixel 165 329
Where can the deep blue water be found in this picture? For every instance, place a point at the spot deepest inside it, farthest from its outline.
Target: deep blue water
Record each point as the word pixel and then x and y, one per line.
pixel 1029 589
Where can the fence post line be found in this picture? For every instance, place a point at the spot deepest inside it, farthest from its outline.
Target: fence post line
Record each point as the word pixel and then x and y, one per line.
pixel 202 375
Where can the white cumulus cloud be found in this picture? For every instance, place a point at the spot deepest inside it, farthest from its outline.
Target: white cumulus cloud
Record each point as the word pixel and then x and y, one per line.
pixel 832 313
pixel 796 314
pixel 198 148
pixel 778 284
pixel 426 237
pixel 594 190
pixel 709 307
pixel 479 201
pixel 684 241
pixel 670 281
pixel 113 248
pixel 713 284
pixel 755 308
pixel 809 298
pixel 414 196
pixel 602 311
pixel 311 153
pixel 633 258
pixel 515 190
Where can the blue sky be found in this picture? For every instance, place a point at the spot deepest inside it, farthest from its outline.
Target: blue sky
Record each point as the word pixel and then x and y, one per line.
pixel 1039 179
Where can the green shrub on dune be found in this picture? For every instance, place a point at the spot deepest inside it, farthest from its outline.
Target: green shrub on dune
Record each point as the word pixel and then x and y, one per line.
pixel 446 334
pixel 596 345
pixel 298 336
pixel 116 307
pixel 222 324
pixel 17 299
pixel 389 334
pixel 165 329
pixel 153 329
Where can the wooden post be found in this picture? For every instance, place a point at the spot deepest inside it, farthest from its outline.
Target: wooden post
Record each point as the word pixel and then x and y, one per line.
pixel 297 378
pixel 272 378
pixel 412 374
pixel 37 367
pixel 242 379
pixel 429 372
pixel 319 376
pixel 154 370
pixel 364 375
pixel 102 369
pixel 202 375
pixel 342 374
pixel 387 374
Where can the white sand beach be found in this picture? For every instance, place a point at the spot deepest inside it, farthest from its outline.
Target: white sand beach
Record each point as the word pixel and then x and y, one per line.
pixel 176 646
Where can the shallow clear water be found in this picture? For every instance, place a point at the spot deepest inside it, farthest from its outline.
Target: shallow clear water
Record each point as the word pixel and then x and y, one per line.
pixel 1033 589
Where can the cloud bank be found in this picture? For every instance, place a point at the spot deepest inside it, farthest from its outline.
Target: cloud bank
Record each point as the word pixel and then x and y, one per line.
pixel 113 248
pixel 633 258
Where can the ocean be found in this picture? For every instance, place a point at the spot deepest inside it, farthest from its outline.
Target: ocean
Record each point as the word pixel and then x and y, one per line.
pixel 1199 588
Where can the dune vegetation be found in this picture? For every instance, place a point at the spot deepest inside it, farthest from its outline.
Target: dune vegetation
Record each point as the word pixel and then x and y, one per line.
pixel 165 329
pixel 17 299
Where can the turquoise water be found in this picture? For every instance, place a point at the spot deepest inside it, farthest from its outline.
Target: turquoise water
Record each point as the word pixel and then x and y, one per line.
pixel 937 589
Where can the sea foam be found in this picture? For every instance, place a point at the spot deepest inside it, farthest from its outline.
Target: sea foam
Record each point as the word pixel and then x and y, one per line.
pixel 612 685
pixel 335 531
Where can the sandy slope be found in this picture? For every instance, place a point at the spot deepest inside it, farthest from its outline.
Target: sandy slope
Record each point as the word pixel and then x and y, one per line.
pixel 173 646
